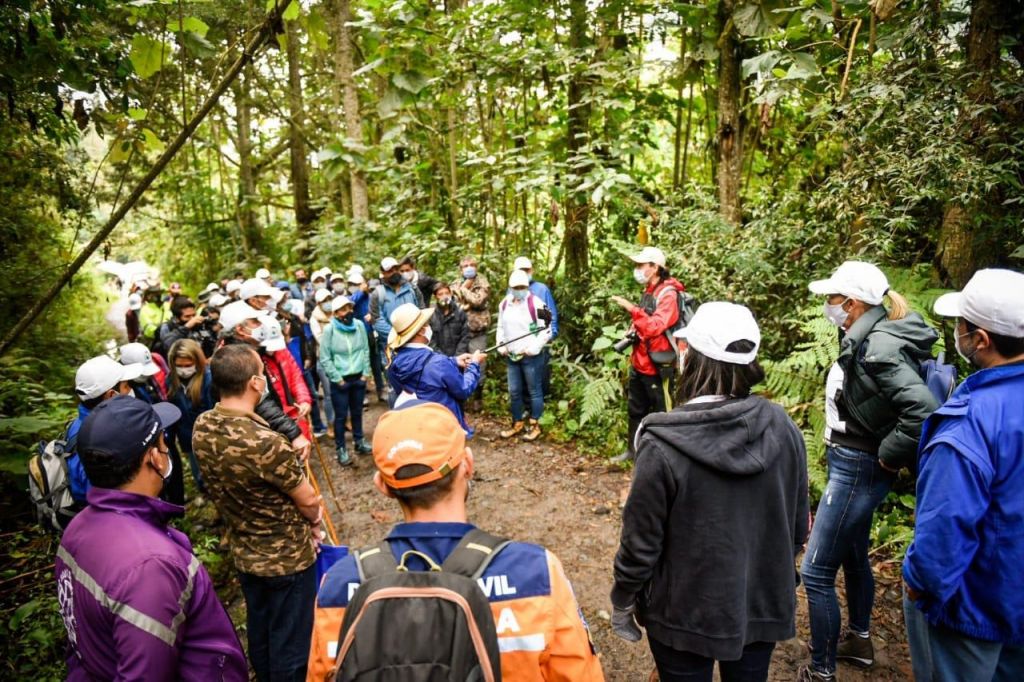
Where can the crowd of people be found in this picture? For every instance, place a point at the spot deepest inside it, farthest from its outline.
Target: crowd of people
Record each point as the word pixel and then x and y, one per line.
pixel 243 378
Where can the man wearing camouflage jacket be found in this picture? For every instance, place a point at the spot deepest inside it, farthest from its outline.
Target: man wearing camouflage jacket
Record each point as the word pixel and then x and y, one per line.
pixel 271 512
pixel 473 294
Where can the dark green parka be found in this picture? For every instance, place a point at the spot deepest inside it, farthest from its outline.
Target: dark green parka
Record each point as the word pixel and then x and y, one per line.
pixel 883 389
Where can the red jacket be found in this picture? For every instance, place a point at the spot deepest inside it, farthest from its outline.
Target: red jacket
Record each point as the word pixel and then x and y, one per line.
pixel 289 384
pixel 651 327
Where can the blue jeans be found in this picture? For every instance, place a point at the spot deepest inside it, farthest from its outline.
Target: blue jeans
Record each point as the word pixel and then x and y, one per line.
pixel 683 666
pixel 279 620
pixel 348 401
pixel 325 384
pixel 857 484
pixel 939 654
pixel 525 378
pixel 383 386
pixel 318 422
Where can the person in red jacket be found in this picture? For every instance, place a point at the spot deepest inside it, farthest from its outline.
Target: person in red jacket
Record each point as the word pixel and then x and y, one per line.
pixel 285 376
pixel 651 377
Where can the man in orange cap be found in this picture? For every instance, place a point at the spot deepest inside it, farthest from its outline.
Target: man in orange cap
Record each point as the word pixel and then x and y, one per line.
pixel 423 463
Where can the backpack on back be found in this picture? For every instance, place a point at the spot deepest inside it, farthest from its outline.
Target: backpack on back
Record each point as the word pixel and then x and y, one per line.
pixel 687 307
pixel 49 484
pixel 939 377
pixel 421 626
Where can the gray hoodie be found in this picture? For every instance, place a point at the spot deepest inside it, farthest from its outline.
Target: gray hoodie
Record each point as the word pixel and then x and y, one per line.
pixel 717 511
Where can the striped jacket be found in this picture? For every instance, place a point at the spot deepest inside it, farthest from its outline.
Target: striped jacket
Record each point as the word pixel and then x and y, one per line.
pixel 136 602
pixel 541 631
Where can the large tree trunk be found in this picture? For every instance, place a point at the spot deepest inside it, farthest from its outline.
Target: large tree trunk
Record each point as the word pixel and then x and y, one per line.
pixel 730 132
pixel 957 248
pixel 344 66
pixel 451 116
pixel 304 215
pixel 248 220
pixel 577 214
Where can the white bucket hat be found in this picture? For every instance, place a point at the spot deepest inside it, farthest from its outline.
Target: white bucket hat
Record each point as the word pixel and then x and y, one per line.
pixel 718 324
pixel 992 300
pixel 854 279
pixel 406 321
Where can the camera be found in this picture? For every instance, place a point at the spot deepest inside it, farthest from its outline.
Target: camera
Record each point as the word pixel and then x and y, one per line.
pixel 626 341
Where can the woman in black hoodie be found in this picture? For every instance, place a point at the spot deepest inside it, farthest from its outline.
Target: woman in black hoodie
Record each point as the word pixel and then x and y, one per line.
pixel 716 514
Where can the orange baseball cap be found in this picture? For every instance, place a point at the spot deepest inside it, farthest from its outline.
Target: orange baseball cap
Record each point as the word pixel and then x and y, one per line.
pixel 420 433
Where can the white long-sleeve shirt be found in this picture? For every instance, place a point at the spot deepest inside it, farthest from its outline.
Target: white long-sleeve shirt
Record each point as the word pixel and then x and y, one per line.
pixel 514 320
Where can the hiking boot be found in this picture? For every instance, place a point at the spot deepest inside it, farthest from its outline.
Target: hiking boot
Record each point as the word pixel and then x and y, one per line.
pixel 621 458
pixel 856 650
pixel 322 431
pixel 363 448
pixel 517 427
pixel 808 674
pixel 533 431
pixel 343 457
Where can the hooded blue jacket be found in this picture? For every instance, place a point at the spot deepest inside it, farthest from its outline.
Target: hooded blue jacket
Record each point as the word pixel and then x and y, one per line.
pixel 434 377
pixel 968 548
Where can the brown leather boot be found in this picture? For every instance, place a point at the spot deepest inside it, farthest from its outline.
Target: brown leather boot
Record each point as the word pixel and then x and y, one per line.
pixel 517 427
pixel 533 431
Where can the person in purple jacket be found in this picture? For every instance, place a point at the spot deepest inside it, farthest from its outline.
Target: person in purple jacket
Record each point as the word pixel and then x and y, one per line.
pixel 136 602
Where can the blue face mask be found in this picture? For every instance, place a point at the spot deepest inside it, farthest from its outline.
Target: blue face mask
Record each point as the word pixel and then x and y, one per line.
pixel 520 294
pixel 469 272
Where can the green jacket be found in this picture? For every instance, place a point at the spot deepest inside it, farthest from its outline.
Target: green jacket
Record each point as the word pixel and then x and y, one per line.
pixel 150 318
pixel 344 353
pixel 883 389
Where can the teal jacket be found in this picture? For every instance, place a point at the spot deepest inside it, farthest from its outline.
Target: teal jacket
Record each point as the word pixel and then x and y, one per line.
pixel 344 350
pixel 883 388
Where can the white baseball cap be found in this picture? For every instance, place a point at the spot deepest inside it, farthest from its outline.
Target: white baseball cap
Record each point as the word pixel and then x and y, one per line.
pixel 257 287
pixel 212 287
pixel 388 264
pixel 321 295
pixel 98 375
pixel 138 354
pixel 273 338
pixel 135 302
pixel 518 278
pixel 355 269
pixel 992 300
pixel 236 313
pixel 355 278
pixel 650 254
pixel 263 273
pixel 340 302
pixel 217 300
pixel 317 274
pixel 522 263
pixel 854 279
pixel 717 324
pixel 232 286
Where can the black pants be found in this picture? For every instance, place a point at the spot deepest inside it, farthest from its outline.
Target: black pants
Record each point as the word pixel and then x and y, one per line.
pixel 279 618
pixel 646 394
pixel 683 666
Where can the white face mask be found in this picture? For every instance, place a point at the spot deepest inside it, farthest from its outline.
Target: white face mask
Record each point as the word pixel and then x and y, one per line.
pixel 428 332
pixel 266 387
pixel 186 373
pixel 353 288
pixel 639 276
pixel 836 314
pixel 968 357
pixel 409 275
pixel 259 333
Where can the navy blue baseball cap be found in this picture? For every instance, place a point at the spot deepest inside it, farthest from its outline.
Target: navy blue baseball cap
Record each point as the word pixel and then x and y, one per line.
pixel 124 427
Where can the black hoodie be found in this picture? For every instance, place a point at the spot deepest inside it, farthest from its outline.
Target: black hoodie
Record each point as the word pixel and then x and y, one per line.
pixel 717 511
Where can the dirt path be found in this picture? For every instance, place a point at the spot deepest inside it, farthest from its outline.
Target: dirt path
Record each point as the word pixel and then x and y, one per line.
pixel 551 495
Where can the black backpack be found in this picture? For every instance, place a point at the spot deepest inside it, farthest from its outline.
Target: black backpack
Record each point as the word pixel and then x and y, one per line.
pixel 421 626
pixel 687 306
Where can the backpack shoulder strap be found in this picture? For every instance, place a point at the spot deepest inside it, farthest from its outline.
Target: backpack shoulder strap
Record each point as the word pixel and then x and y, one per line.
pixel 532 307
pixel 474 553
pixel 374 561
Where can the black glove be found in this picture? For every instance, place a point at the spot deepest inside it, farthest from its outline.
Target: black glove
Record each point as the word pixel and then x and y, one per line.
pixel 624 624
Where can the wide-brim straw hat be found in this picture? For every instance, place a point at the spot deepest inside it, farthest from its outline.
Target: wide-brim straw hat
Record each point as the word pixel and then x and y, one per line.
pixel 406 321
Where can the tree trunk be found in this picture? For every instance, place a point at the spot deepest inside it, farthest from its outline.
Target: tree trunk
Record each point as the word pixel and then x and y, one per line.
pixel 343 64
pixel 577 214
pixel 304 215
pixel 248 222
pixel 451 120
pixel 730 133
pixel 957 247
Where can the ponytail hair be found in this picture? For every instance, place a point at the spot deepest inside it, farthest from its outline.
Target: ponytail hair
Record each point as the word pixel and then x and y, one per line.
pixel 898 306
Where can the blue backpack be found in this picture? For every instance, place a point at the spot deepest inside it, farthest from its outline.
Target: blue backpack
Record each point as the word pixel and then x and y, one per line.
pixel 939 377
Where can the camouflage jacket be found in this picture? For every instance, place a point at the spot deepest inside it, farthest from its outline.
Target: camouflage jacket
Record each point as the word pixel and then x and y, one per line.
pixel 473 296
pixel 248 469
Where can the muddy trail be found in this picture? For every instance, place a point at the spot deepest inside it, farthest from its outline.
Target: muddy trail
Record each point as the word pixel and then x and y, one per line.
pixel 552 495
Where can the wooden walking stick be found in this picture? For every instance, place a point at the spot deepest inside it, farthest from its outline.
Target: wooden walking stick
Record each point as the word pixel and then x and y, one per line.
pixel 323 466
pixel 333 534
